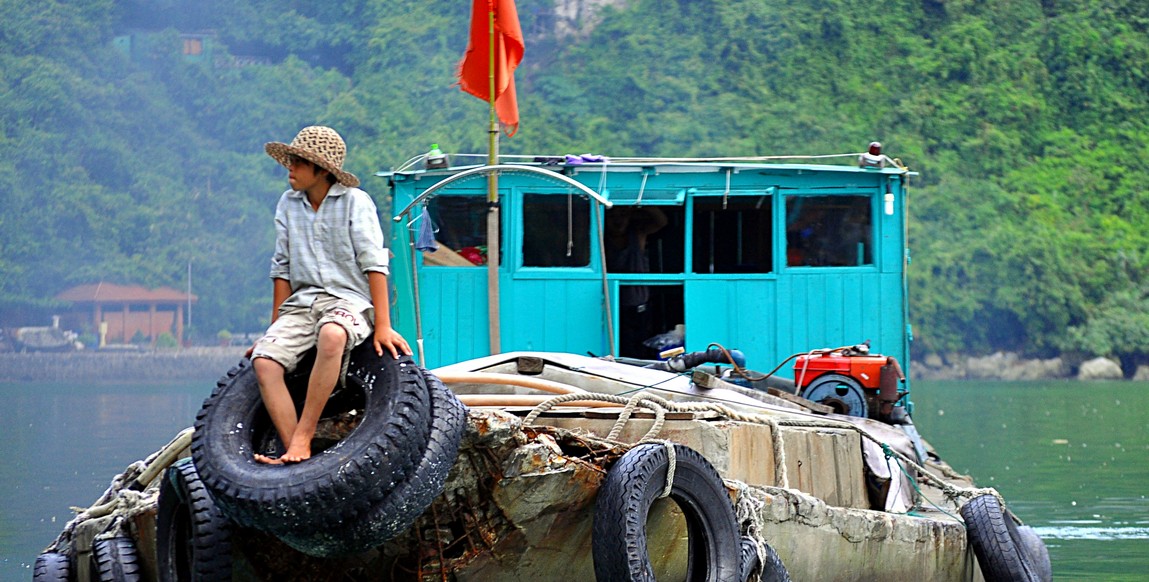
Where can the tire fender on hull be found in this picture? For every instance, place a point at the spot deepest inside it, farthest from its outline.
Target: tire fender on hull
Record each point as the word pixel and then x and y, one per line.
pixel 115 560
pixel 52 567
pixel 633 484
pixel 764 566
pixel 1038 553
pixel 193 538
pixel 996 542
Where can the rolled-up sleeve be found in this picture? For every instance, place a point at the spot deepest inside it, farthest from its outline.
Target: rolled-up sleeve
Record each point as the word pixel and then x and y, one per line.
pixel 367 237
pixel 281 259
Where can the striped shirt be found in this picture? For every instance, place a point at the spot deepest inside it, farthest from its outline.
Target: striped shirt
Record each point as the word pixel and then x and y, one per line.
pixel 329 251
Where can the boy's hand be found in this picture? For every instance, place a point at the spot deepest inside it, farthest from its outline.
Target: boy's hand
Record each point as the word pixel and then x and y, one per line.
pixel 385 336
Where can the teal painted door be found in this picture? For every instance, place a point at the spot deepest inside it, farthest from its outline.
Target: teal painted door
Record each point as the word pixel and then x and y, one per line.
pixel 730 283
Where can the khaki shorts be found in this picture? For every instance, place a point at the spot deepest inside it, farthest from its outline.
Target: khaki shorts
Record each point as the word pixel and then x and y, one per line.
pixel 296 330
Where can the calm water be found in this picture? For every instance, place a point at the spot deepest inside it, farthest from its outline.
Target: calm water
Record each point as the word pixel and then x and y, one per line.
pixel 61 445
pixel 1071 458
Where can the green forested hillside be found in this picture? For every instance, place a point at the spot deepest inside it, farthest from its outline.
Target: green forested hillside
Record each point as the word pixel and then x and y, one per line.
pixel 1028 121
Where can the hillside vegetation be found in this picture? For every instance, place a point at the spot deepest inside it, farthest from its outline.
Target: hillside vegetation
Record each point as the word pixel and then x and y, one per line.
pixel 1027 120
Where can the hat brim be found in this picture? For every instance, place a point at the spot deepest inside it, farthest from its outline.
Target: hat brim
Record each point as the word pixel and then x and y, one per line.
pixel 281 152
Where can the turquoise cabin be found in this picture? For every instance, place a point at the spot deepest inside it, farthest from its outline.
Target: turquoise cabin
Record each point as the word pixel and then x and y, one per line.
pixel 761 255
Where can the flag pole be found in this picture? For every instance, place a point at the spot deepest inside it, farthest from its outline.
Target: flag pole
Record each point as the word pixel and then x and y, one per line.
pixel 492 193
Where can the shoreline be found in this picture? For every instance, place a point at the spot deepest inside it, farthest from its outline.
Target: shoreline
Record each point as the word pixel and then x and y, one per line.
pixel 197 363
pixel 210 363
pixel 1009 366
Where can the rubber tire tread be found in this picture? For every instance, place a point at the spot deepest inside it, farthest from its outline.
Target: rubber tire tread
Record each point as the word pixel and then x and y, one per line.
pixel 996 541
pixel 185 503
pixel 334 484
pixel 1038 553
pixel 116 560
pixel 624 499
pixel 772 570
pixel 52 567
pixel 748 561
pixel 409 499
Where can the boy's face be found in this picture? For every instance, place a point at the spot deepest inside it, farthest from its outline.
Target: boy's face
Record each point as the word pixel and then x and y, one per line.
pixel 303 175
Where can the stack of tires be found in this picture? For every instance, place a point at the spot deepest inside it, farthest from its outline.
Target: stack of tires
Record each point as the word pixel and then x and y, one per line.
pixel 347 498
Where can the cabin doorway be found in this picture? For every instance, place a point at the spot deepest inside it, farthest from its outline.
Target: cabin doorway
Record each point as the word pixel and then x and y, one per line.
pixel 652 325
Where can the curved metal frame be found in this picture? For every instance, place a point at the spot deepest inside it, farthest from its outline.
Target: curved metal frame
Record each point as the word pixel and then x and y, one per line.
pixel 497 168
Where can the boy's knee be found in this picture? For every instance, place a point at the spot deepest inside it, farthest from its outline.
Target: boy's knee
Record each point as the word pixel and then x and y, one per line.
pixel 332 338
pixel 266 367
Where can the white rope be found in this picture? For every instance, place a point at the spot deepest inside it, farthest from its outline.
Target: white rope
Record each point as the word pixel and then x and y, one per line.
pixel 748 510
pixel 726 193
pixel 623 417
pixel 671 463
pixel 780 472
pixel 648 401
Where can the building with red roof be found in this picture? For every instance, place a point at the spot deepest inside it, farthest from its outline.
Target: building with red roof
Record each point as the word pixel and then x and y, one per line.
pixel 118 312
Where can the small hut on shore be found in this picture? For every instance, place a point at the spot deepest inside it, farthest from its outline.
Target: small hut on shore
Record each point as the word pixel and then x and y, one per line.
pixel 116 313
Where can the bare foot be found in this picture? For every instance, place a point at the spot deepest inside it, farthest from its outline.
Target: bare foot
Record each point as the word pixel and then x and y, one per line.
pixel 296 454
pixel 268 460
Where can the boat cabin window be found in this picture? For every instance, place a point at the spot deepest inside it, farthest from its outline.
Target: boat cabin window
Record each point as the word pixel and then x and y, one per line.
pixel 644 239
pixel 734 235
pixel 829 231
pixel 460 229
pixel 556 230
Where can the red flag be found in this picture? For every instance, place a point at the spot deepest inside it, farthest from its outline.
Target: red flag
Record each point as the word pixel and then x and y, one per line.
pixel 474 70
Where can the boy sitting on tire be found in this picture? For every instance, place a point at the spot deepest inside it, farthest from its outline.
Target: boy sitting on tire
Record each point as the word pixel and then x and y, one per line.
pixel 329 280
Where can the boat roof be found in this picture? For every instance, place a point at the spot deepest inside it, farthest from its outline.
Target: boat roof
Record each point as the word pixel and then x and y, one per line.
pixel 572 164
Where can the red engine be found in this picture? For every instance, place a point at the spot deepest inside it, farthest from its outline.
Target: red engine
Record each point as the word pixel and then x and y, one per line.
pixel 851 381
pixel 866 370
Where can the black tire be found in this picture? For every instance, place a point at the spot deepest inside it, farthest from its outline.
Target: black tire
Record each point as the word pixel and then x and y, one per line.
pixel 748 561
pixel 1037 552
pixel 52 567
pixel 751 566
pixel 115 560
pixel 773 570
pixel 409 499
pixel 193 538
pixel 996 542
pixel 623 504
pixel 335 483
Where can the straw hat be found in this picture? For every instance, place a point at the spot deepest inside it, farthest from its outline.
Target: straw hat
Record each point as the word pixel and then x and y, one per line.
pixel 319 145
